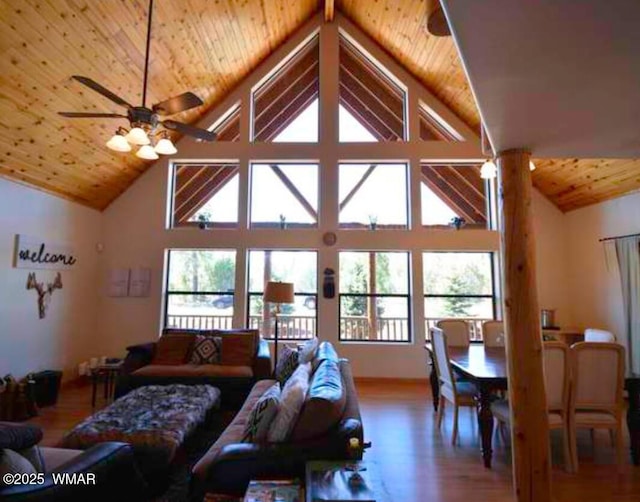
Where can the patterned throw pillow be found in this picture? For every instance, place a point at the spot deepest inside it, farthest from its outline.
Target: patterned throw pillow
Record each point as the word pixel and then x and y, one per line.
pixel 287 364
pixel 261 416
pixel 206 350
pixel 291 402
pixel 172 350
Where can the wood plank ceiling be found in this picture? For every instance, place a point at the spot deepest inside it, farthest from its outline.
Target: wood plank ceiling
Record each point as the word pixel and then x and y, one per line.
pixel 206 47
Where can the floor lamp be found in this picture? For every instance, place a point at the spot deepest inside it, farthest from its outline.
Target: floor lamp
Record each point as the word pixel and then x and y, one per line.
pixel 278 293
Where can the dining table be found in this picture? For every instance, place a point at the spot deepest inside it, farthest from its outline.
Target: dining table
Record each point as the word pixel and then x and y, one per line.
pixel 486 368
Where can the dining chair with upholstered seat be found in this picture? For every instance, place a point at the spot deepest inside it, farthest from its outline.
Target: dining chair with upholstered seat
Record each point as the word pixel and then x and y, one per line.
pixel 597 402
pixel 457 331
pixel 557 378
pixel 457 393
pixel 598 335
pixel 493 333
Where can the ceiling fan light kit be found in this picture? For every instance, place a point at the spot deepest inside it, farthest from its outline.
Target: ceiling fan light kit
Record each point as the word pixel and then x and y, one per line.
pixel 145 122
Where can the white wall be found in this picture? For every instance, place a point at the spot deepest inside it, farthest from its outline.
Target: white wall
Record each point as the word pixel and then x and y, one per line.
pixel 596 297
pixel 67 334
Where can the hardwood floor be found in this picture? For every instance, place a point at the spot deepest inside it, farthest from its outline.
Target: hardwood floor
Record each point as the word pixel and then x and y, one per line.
pixel 418 462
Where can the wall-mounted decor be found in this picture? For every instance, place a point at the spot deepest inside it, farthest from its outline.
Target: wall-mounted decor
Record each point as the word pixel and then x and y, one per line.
pixel 134 282
pixel 34 252
pixel 118 282
pixel 140 282
pixel 44 294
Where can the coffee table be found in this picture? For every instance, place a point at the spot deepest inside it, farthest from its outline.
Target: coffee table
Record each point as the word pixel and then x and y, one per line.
pixel 155 420
pixel 331 481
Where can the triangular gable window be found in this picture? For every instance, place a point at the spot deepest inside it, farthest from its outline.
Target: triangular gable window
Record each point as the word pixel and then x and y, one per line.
pixel 227 127
pixel 205 195
pixel 370 94
pixel 291 90
pixel 453 191
pixel 434 128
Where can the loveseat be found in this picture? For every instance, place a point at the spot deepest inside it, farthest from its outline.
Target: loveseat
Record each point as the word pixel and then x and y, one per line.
pixel 329 418
pixel 111 465
pixel 239 359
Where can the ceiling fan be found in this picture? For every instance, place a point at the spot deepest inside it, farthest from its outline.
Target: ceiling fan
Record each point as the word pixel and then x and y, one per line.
pixel 145 122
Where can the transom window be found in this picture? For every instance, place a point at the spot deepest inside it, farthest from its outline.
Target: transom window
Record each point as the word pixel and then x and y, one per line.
pixel 374 296
pixel 297 321
pixel 200 289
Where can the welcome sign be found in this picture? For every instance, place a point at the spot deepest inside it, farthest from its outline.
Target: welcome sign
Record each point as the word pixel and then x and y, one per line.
pixel 33 252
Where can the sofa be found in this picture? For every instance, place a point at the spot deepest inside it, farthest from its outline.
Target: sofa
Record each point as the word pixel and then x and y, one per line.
pixel 112 464
pixel 242 359
pixel 231 462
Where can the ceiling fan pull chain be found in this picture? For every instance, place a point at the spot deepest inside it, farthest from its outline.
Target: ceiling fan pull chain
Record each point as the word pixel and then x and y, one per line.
pixel 146 60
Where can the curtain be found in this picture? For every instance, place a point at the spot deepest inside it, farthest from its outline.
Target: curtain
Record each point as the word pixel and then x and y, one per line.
pixel 628 254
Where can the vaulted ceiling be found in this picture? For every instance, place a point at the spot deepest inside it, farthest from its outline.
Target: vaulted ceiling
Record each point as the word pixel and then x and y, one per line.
pixel 206 47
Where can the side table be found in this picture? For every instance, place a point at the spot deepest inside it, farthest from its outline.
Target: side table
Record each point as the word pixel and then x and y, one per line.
pixel 109 373
pixel 330 481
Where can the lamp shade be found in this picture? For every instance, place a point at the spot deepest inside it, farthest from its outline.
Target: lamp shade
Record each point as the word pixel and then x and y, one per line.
pixel 279 292
pixel 532 166
pixel 488 170
pixel 165 147
pixel 138 136
pixel 118 143
pixel 147 152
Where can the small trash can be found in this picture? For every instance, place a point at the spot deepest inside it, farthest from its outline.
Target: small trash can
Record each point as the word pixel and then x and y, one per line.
pixel 47 385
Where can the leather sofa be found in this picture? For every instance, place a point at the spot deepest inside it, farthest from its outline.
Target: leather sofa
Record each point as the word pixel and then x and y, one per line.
pixel 234 381
pixel 112 464
pixel 230 464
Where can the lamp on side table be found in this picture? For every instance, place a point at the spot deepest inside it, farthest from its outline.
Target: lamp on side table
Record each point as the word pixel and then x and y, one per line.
pixel 278 293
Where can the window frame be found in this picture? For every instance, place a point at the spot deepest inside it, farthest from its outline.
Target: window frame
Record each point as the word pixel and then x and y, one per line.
pixel 408 297
pixel 492 296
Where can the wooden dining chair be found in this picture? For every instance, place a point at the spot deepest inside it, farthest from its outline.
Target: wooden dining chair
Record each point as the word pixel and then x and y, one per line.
pixel 457 331
pixel 557 379
pixel 598 335
pixel 596 398
pixel 457 393
pixel 493 333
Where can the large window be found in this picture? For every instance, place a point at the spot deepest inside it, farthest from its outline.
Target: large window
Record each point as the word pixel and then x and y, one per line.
pixel 200 289
pixel 458 285
pixel 373 196
pixel 205 195
pixel 297 321
pixel 374 296
pixel 284 195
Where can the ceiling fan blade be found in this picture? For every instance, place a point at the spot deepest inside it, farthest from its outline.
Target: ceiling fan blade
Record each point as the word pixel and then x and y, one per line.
pixel 189 130
pixel 77 115
pixel 177 104
pixel 102 90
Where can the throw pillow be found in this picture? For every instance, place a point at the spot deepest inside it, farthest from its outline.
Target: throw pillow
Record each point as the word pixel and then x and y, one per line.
pixel 238 349
pixel 287 364
pixel 308 350
pixel 261 416
pixel 291 402
pixel 172 350
pixel 206 350
pixel 19 436
pixel 12 462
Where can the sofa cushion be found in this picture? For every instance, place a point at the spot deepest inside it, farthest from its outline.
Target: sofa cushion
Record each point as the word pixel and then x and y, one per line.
pixel 291 402
pixel 34 455
pixel 206 350
pixel 55 457
pixel 261 416
pixel 308 350
pixel 287 364
pixel 325 352
pixel 173 349
pixel 11 462
pixel 19 436
pixel 238 349
pixel 325 402
pixel 235 430
pixel 194 370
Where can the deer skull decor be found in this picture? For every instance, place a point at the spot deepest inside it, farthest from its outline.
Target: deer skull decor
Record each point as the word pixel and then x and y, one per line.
pixel 44 294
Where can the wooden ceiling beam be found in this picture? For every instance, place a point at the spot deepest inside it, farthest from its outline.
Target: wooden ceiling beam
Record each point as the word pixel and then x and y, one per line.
pixel 189 192
pixel 294 191
pixel 329 10
pixel 357 186
pixel 453 192
pixel 204 193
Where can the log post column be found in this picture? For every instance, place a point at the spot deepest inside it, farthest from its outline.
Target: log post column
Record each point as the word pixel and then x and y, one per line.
pixel 530 434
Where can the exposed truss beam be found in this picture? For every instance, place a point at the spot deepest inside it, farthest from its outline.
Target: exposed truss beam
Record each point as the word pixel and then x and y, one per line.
pixel 357 186
pixel 294 191
pixel 329 10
